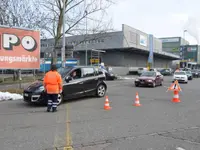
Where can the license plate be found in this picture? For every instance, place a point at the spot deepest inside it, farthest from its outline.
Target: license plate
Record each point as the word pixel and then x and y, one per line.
pixel 26 94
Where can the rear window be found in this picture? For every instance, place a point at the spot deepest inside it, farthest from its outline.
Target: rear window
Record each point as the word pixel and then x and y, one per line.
pixel 140 68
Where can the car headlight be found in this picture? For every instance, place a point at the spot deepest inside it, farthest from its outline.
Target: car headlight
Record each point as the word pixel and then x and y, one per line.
pixel 136 79
pixel 40 89
pixel 149 80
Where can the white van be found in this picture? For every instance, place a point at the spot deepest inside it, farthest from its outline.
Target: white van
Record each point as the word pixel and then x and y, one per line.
pixel 140 70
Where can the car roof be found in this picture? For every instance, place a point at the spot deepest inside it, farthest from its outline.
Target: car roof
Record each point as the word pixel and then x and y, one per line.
pixel 82 66
pixel 150 71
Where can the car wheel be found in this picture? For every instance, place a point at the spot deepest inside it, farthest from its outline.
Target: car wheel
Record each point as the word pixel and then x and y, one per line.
pixel 60 99
pixel 154 84
pixel 136 85
pixel 101 90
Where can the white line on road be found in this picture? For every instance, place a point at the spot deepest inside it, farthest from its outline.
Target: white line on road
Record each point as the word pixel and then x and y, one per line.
pixel 179 148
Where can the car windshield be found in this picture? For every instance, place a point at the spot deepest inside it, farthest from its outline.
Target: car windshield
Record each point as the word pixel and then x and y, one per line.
pixel 179 73
pixel 148 74
pixel 64 71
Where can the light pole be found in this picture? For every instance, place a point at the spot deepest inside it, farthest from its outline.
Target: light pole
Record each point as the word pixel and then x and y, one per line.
pixel 184 36
pixel 184 43
pixel 86 56
pixel 63 46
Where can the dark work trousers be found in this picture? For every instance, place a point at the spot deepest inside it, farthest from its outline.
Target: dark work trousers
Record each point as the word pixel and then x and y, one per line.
pixel 52 102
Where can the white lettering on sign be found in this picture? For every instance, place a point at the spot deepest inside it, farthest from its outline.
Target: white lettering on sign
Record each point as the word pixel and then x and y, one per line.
pixel 29 43
pixel 12 59
pixel 170 40
pixel 10 40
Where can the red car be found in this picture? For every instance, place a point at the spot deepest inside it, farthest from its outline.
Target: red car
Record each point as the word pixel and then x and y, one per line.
pixel 149 78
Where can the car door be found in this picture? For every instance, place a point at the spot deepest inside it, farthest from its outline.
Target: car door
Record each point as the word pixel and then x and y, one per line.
pixel 90 80
pixel 158 78
pixel 73 88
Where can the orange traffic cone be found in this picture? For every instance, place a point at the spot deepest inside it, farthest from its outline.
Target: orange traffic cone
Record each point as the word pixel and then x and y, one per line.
pixel 176 97
pixel 106 104
pixel 137 100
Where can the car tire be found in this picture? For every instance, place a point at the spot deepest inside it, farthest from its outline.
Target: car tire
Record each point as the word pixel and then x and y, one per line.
pixel 101 90
pixel 136 85
pixel 60 99
pixel 154 84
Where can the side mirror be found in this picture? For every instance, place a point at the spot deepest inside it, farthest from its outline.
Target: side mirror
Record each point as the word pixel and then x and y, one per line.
pixel 68 78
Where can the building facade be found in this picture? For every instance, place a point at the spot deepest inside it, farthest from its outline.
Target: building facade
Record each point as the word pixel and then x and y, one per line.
pixel 190 53
pixel 128 47
pixel 172 44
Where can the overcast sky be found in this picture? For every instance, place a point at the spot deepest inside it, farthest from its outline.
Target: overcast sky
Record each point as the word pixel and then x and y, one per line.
pixel 162 18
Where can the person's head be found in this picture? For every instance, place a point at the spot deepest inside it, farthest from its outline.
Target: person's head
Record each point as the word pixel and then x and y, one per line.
pixel 53 68
pixel 74 73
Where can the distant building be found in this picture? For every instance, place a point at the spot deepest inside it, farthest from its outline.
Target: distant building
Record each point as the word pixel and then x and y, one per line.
pixel 128 47
pixel 191 53
pixel 172 44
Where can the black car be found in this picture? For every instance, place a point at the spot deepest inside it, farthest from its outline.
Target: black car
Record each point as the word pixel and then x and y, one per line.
pixel 165 72
pixel 88 82
pixel 195 73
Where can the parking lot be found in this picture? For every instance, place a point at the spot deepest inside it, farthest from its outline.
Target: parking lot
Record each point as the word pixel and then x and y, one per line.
pixel 83 124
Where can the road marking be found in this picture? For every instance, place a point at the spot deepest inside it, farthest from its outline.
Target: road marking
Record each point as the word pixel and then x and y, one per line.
pixel 179 148
pixel 57 139
pixel 68 135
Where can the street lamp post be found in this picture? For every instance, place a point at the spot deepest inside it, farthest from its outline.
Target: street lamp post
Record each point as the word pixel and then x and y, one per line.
pixel 63 46
pixel 86 53
pixel 184 45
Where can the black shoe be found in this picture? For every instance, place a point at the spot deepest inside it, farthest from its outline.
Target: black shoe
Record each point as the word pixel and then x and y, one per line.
pixel 54 110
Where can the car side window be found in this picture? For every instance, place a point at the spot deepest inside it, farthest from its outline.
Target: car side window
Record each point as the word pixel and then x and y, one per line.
pixel 76 74
pixel 88 72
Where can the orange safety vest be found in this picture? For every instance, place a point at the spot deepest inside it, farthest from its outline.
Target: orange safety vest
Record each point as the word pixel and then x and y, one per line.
pixel 52 82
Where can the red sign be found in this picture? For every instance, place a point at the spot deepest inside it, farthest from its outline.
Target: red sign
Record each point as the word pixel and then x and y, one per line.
pixel 19 49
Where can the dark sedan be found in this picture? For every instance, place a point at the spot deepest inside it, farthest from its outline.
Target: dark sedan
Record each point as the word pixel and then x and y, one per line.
pixel 166 72
pixel 195 73
pixel 87 82
pixel 149 78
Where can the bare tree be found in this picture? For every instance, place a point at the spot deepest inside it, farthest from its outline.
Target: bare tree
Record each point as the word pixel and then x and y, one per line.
pixel 76 14
pixel 22 13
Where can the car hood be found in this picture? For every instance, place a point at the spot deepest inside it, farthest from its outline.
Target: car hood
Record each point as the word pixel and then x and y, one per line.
pixel 146 78
pixel 180 75
pixel 34 86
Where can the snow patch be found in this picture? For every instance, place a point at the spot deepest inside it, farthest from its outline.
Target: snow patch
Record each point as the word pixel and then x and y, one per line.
pixel 4 96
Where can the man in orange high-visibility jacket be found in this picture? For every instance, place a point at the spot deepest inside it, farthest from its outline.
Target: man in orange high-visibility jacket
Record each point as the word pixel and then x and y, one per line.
pixel 53 86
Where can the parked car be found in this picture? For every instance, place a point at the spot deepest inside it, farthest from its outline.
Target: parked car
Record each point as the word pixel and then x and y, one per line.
pixel 166 72
pixel 180 76
pixel 108 74
pixel 88 82
pixel 140 70
pixel 189 75
pixel 195 73
pixel 149 78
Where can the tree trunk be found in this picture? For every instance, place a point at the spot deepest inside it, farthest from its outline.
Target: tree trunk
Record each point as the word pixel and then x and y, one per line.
pixel 54 58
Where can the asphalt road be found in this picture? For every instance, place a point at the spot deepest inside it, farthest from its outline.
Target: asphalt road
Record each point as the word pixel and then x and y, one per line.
pixel 158 124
